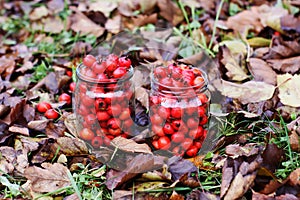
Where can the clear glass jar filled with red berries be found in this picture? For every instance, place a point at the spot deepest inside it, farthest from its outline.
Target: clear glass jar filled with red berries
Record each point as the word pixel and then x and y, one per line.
pixel 104 99
pixel 179 108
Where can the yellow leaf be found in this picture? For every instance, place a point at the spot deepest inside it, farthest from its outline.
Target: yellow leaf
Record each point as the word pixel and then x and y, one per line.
pixel 289 89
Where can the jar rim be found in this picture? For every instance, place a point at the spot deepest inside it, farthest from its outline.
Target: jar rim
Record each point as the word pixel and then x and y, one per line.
pixel 87 79
pixel 202 86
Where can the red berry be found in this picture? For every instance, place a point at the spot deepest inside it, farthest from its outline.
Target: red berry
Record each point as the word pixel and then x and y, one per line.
pixel 198 81
pixel 164 112
pixel 124 62
pixel 69 73
pixel 103 116
pixel 192 151
pixel 177 151
pixel 156 119
pixel 86 134
pixel 119 72
pixel 201 111
pixel 196 133
pixel 198 144
pixel 176 112
pixel 125 114
pixel 112 62
pixel 115 132
pixel 177 73
pixel 97 141
pixel 99 68
pixel 168 129
pixel 177 137
pixel 191 110
pixel 127 124
pixel 192 123
pixel 101 77
pixel 155 100
pixel 186 143
pixel 158 130
pixel 160 72
pixel 203 98
pixel 114 110
pixel 90 119
pixel 155 144
pixel 113 123
pixel 100 104
pixel 72 86
pixel 87 101
pixel 65 97
pixel 43 106
pixel 176 124
pixel 164 143
pixel 51 114
pixel 107 139
pixel 83 110
pixel 276 33
pixel 203 120
pixel 89 60
pixel 89 73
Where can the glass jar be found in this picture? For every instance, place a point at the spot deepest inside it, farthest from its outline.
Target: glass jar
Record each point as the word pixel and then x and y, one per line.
pixel 179 108
pixel 103 107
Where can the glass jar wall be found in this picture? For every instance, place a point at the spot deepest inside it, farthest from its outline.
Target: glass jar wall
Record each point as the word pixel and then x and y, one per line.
pixel 179 106
pixel 103 106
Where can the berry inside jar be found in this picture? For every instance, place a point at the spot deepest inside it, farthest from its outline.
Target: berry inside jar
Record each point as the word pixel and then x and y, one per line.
pixel 179 103
pixel 104 99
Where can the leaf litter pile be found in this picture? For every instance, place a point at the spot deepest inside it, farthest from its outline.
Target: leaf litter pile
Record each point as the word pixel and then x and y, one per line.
pixel 249 49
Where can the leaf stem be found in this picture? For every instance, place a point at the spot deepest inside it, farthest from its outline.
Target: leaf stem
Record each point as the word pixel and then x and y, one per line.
pixel 215 24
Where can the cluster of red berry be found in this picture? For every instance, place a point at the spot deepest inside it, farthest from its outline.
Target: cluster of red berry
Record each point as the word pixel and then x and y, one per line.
pixel 178 109
pixel 46 108
pixel 104 105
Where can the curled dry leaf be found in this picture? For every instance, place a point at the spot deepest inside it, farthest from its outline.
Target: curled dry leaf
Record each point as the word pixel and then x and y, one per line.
pixel 70 123
pixel 170 11
pixel 19 130
pixel 38 125
pixel 237 150
pixel 283 49
pixel 288 65
pixel 70 146
pixel 289 89
pixel 38 13
pixel 179 167
pixel 234 72
pixel 7 159
pixel 113 25
pixel 105 7
pixel 261 71
pixel 81 23
pixel 49 178
pixel 129 145
pixel 248 92
pixel 290 23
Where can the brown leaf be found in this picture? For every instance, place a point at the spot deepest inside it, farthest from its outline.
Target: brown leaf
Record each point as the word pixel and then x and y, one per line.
pixel 28 113
pixel 56 6
pixel 232 64
pixel 289 92
pixel 179 167
pixel 139 164
pixel 55 130
pixel 22 82
pixel 70 146
pixel 38 125
pixel 197 194
pixel 142 20
pixel 129 145
pixel 272 157
pixel 17 106
pixel 170 11
pixel 106 7
pixel 19 130
pixel 70 123
pixel 248 92
pixel 290 23
pixel 7 159
pixel 283 49
pixel 38 13
pixel 51 82
pixel 49 178
pixel 295 141
pixel 237 150
pixel 113 25
pixel 128 8
pixel 4 110
pixel 81 23
pixel 244 21
pixel 270 16
pixel 261 71
pixel 7 65
pixel 294 178
pixel 288 65
pixel 53 25
pixel 80 48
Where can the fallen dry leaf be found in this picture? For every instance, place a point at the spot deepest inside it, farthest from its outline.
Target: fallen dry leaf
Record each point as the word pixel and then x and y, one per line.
pixel 289 89
pixel 139 164
pixel 7 159
pixel 70 146
pixel 288 65
pixel 113 25
pixel 294 177
pixel 197 194
pixel 261 71
pixel 38 125
pixel 53 25
pixel 272 157
pixel 49 178
pixel 129 145
pixel 19 130
pixel 106 7
pixel 295 141
pixel 55 6
pixel 282 49
pixel 236 150
pixel 248 92
pixel 233 66
pixel 82 24
pixel 290 23
pixel 179 167
pixel 170 11
pixel 38 13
